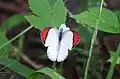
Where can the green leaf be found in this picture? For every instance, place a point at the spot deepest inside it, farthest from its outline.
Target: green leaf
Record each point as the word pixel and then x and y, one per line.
pixel 3 39
pixel 12 21
pixel 47 14
pixel 51 2
pixel 5 50
pixel 51 73
pixel 36 21
pixel 112 57
pixel 59 13
pixel 35 76
pixel 42 9
pixel 108 22
pixel 17 67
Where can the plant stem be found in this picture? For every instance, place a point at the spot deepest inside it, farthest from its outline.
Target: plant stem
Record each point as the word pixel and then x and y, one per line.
pixel 61 69
pixel 93 39
pixel 54 65
pixel 16 37
pixel 111 70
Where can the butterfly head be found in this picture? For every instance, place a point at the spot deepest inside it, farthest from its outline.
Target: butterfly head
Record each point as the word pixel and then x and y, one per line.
pixel 63 28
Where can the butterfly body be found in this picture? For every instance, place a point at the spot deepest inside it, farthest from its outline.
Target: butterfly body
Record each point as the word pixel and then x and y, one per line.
pixel 59 41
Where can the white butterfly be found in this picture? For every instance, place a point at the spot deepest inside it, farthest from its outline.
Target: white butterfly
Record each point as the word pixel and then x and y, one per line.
pixel 59 41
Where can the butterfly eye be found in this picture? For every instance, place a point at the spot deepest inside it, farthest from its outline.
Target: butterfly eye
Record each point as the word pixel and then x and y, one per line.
pixel 76 38
pixel 44 33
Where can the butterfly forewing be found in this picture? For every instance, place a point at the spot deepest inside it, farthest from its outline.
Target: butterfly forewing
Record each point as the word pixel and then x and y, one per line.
pixel 65 44
pixel 44 33
pixel 52 42
pixel 76 38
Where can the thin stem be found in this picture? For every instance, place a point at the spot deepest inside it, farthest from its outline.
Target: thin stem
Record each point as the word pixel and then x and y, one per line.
pixel 61 69
pixel 16 37
pixel 54 65
pixel 113 64
pixel 93 39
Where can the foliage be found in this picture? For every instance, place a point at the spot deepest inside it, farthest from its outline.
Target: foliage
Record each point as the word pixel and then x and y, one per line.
pixel 47 16
pixel 51 73
pixel 4 52
pixel 17 67
pixel 108 21
pixel 112 56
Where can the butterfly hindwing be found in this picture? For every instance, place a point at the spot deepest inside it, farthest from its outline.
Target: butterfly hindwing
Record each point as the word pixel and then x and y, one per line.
pixel 65 44
pixel 51 42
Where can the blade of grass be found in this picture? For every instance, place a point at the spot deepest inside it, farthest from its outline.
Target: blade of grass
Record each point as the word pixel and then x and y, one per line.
pixel 113 64
pixel 3 54
pixel 17 67
pixel 93 39
pixel 50 72
pixel 5 44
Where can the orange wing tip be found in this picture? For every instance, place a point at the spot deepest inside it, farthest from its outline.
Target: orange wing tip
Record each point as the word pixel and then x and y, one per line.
pixel 76 38
pixel 44 33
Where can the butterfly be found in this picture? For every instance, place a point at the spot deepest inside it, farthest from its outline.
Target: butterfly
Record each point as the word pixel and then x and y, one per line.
pixel 59 41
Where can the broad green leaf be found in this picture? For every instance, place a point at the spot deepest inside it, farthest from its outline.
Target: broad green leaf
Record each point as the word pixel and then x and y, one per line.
pixel 40 7
pixel 108 22
pixel 117 12
pixel 36 21
pixel 17 67
pixel 59 13
pixel 51 2
pixel 12 21
pixel 5 50
pixel 47 14
pixel 51 73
